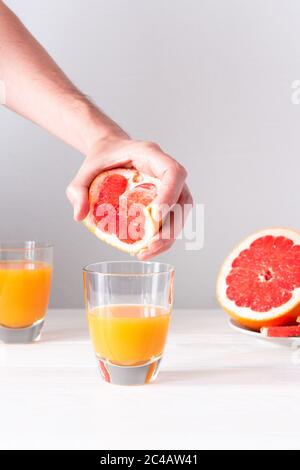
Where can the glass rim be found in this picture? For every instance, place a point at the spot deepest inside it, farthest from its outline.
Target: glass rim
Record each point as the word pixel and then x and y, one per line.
pixel 20 245
pixel 168 268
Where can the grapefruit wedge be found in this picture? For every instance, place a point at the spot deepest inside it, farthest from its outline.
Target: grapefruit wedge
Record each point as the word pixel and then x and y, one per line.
pixel 120 209
pixel 259 282
pixel 291 331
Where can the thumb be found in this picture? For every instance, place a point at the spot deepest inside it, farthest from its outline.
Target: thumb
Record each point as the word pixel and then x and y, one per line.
pixel 78 196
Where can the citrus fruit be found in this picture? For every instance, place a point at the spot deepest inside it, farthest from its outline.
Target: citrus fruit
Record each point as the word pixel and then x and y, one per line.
pixel 281 331
pixel 120 208
pixel 259 282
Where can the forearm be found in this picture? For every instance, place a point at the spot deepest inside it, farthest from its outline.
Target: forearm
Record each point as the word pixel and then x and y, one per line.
pixel 36 88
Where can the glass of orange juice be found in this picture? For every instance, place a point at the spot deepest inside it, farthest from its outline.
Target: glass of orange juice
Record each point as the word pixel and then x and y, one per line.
pixel 129 306
pixel 25 282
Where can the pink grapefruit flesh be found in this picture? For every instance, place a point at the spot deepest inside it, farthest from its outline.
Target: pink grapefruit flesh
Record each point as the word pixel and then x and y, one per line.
pixel 281 331
pixel 259 283
pixel 119 202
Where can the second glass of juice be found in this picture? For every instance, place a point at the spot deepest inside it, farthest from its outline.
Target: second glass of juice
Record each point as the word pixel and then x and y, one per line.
pixel 129 307
pixel 25 283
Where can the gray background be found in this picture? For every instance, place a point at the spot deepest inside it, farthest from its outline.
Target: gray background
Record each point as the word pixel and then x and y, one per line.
pixel 209 80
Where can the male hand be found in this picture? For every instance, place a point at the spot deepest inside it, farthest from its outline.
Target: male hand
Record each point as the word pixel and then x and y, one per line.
pixel 146 157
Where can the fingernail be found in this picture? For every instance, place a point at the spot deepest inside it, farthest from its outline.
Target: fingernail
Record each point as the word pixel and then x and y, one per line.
pixel 143 255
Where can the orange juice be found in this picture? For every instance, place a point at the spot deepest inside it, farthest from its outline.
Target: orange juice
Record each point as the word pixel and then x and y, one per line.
pixel 24 292
pixel 128 334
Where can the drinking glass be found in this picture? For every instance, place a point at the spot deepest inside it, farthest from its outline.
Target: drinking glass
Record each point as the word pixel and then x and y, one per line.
pixel 25 283
pixel 128 306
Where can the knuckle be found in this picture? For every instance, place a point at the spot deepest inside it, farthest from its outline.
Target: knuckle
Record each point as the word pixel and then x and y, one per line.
pixel 151 145
pixel 182 170
pixel 72 191
pixel 179 170
pixel 187 196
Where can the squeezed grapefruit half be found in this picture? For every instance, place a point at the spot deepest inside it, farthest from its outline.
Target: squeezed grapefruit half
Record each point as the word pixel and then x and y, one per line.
pixel 120 209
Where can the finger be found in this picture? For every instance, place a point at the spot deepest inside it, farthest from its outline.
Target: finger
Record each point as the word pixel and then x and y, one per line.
pixel 88 172
pixel 186 202
pixel 78 196
pixel 171 187
pixel 156 249
pixel 171 228
pixel 172 175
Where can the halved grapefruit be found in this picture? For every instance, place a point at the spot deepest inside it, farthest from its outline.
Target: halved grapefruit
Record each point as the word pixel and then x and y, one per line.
pixel 120 208
pixel 259 282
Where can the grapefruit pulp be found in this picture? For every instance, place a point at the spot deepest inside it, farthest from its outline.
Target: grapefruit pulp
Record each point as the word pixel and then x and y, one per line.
pixel 259 282
pixel 120 208
pixel 281 331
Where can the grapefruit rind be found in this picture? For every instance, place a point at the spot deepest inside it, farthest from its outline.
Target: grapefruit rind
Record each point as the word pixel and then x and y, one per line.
pixel 292 331
pixel 277 316
pixel 113 240
pixel 151 227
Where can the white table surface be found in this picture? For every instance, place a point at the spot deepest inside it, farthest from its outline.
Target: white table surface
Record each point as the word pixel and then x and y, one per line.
pixel 216 389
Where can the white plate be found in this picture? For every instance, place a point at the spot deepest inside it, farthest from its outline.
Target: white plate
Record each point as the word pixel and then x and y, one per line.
pixel 288 342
